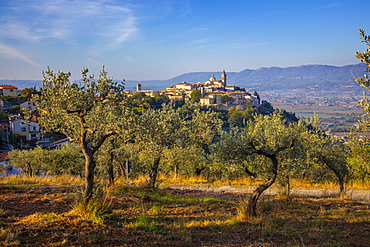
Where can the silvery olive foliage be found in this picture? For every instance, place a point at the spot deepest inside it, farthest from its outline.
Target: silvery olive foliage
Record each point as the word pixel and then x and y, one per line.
pixel 161 130
pixel 87 112
pixel 364 81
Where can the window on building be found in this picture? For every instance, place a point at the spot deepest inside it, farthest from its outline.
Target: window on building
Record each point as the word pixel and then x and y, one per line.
pixel 24 129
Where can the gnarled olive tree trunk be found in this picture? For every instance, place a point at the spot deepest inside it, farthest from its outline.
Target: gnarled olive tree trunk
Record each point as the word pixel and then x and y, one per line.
pixel 111 169
pixel 252 203
pixel 340 176
pixel 90 165
pixel 154 172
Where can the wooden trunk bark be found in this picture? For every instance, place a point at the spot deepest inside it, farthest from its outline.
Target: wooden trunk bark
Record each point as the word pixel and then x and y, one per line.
pixel 338 174
pixel 154 173
pixel 340 181
pixel 252 203
pixel 198 171
pixel 29 170
pixel 89 174
pixel 111 170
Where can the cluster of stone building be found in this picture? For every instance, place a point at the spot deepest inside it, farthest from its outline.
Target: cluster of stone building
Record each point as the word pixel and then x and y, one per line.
pixel 29 128
pixel 211 90
pixel 17 124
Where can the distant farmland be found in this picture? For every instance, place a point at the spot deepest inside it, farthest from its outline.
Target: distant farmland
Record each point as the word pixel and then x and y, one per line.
pixel 305 111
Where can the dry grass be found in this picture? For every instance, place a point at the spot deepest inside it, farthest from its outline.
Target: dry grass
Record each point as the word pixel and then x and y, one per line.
pixel 38 218
pixel 365 185
pixel 95 210
pixel 8 237
pixel 47 180
pixel 169 217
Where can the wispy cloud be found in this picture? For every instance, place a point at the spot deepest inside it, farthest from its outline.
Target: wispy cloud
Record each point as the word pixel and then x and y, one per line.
pixel 326 6
pixel 198 42
pixel 247 45
pixel 95 62
pixel 12 53
pixel 106 21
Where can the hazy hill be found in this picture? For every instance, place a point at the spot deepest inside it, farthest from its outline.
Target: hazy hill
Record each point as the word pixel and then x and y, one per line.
pixel 239 77
pixel 198 77
pixel 307 76
pixel 318 77
pixel 22 83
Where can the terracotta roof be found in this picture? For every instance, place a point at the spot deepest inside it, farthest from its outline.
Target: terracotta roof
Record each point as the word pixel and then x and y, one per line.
pixel 56 143
pixel 8 87
pixel 61 140
pixel 3 155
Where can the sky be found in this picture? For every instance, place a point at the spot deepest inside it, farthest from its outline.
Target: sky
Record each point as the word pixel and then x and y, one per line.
pixel 161 39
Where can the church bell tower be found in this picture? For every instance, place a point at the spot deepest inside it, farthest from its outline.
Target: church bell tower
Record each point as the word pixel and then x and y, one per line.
pixel 223 78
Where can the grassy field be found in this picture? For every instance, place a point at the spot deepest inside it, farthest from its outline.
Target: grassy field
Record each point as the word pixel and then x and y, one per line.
pixel 43 212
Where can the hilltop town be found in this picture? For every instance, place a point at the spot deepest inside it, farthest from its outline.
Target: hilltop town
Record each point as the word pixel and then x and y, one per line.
pixel 212 92
pixel 16 131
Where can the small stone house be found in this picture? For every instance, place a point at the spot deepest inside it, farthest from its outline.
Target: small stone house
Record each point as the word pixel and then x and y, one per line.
pixel 8 90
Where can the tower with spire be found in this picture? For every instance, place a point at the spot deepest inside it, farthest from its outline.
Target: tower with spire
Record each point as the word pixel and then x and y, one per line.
pixel 223 78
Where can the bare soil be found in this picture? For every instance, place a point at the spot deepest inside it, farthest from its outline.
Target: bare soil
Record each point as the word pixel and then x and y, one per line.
pixel 189 218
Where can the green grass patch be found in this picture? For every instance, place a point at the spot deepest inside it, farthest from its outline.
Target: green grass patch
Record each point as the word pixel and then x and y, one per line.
pixel 95 210
pixel 9 187
pixel 50 217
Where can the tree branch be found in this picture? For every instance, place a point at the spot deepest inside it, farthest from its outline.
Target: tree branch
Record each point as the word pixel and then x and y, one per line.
pixel 103 138
pixel 261 152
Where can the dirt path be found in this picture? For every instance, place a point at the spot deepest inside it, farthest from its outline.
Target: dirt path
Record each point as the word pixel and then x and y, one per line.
pixel 355 194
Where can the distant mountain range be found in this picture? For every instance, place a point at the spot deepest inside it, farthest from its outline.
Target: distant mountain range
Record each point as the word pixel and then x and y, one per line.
pixel 310 77
pixel 321 77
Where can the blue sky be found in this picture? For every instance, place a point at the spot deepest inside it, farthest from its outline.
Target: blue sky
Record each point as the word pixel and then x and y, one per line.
pixel 160 39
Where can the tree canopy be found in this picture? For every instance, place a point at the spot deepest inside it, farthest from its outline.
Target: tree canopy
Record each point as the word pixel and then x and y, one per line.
pixel 87 112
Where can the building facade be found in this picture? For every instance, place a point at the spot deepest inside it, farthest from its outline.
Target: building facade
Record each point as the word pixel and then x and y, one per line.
pixel 28 105
pixel 29 129
pixel 8 90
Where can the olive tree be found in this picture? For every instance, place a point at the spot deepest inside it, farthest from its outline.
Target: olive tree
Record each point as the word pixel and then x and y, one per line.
pixel 112 157
pixel 365 80
pixel 187 161
pixel 66 159
pixel 157 131
pixel 268 137
pixel 22 159
pixel 232 148
pixel 160 130
pixel 359 159
pixel 87 112
pixel 324 153
pixel 365 58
